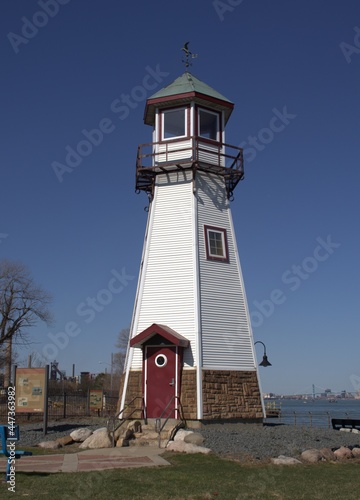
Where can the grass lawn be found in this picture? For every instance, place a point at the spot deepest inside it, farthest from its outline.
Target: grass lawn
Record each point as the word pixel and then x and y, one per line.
pixel 196 477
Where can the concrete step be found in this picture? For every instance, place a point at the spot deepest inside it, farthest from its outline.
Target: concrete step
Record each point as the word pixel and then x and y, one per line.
pixel 148 442
pixel 146 435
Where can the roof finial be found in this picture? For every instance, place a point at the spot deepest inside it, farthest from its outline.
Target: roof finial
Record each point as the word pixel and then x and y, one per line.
pixel 188 55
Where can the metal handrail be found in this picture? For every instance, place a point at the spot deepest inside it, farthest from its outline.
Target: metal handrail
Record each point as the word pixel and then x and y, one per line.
pixel 117 416
pixel 159 427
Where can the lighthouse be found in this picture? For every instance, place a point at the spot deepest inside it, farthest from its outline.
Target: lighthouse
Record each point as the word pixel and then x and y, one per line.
pixel 191 346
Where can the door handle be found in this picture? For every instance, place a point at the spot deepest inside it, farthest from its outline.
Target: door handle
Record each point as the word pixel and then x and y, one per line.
pixel 172 382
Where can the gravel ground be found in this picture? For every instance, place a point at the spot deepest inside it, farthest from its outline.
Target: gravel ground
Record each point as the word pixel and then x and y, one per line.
pixel 243 441
pixel 261 442
pixel 32 434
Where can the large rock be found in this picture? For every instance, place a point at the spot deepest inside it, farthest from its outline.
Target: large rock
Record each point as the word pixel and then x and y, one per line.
pixel 119 433
pixel 194 438
pixel 99 439
pixel 79 435
pixel 311 456
pixel 65 440
pixel 180 435
pixel 101 429
pixel 49 445
pixel 328 454
pixel 183 447
pixel 283 460
pixel 343 453
pixel 356 452
pixel 124 441
pixel 135 425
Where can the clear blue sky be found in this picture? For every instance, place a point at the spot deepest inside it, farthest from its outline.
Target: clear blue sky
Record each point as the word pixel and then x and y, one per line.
pixel 302 174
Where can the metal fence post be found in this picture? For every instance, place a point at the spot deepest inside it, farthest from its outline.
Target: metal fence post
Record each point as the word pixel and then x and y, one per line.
pixel 64 404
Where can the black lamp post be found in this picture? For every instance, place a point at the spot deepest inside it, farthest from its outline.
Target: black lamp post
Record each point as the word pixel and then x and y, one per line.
pixel 264 361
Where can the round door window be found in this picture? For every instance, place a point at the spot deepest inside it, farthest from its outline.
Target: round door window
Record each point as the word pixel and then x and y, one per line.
pixel 161 360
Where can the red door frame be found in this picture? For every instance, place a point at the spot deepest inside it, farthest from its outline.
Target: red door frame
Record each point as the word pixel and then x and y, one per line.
pixel 175 371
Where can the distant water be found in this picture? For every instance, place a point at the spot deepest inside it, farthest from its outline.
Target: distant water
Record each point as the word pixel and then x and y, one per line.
pixel 317 413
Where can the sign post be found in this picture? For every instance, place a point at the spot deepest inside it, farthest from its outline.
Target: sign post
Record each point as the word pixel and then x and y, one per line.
pixel 96 400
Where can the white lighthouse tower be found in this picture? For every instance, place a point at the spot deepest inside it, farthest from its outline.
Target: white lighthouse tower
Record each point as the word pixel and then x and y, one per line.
pixel 191 344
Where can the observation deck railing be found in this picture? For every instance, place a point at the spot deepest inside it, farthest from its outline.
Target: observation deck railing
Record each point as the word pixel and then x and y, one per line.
pixel 194 153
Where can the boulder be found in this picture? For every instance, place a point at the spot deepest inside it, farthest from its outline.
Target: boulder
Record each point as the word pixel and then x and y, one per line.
pixel 328 454
pixel 79 435
pixel 124 441
pixel 355 431
pixel 345 429
pixel 283 460
pixel 135 425
pixel 121 443
pixel 183 447
pixel 180 435
pixel 119 433
pixel 101 429
pixel 343 453
pixel 63 441
pixel 194 438
pixel 356 452
pixel 99 439
pixel 49 445
pixel 311 456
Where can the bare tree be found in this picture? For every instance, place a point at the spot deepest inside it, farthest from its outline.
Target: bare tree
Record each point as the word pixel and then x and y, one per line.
pixel 23 304
pixel 121 344
pixel 33 360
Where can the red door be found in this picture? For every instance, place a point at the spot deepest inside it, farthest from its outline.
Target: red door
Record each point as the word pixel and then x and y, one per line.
pixel 161 380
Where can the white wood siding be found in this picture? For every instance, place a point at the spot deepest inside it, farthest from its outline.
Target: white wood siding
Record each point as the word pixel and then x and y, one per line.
pixel 227 341
pixel 174 151
pixel 212 155
pixel 166 292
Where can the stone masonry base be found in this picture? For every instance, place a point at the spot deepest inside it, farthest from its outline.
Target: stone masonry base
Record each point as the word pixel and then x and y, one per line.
pixel 231 395
pixel 227 395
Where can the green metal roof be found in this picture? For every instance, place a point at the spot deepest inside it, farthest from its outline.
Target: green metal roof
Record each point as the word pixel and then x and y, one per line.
pixel 183 90
pixel 188 83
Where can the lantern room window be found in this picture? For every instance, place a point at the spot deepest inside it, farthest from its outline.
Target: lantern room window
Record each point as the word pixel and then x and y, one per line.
pixel 174 123
pixel 209 125
pixel 216 244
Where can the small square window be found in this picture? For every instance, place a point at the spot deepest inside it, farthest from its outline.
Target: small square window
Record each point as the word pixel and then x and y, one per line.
pixel 174 123
pixel 216 244
pixel 208 125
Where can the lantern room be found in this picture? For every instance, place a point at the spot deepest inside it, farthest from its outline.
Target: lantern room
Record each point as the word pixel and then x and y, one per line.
pixel 188 119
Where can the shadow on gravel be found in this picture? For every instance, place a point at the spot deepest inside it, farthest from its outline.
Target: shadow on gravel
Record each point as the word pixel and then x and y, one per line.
pixel 60 427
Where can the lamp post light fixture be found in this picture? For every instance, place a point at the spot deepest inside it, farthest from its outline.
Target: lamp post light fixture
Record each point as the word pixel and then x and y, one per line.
pixel 265 362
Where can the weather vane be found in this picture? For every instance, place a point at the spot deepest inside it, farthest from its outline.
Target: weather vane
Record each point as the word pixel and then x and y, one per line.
pixel 188 55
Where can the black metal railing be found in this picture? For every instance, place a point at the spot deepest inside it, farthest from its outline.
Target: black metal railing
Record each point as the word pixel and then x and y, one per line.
pixel 159 426
pixel 313 418
pixel 120 419
pixel 65 405
pixel 189 153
